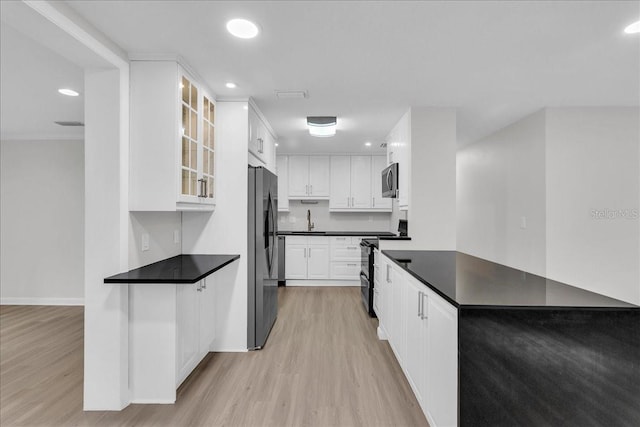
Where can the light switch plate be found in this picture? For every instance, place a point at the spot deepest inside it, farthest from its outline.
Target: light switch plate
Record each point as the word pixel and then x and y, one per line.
pixel 523 222
pixel 176 236
pixel 145 242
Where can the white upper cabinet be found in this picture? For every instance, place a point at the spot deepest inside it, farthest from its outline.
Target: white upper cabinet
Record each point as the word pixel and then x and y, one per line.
pixel 172 139
pixel 309 177
pixel 378 163
pixel 353 184
pixel 282 171
pixel 340 183
pixel 399 151
pixel 262 150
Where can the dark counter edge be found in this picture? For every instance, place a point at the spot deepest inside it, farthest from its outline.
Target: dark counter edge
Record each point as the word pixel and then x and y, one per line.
pixel 338 233
pixel 115 280
pixel 503 307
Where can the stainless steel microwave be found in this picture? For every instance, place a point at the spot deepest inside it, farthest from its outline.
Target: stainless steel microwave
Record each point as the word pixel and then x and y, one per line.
pixel 390 181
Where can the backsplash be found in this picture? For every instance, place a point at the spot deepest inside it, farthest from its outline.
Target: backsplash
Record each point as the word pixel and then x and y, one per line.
pixel 296 219
pixel 160 227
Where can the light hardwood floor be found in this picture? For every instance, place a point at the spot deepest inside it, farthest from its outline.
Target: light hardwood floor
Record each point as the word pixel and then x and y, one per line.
pixel 322 366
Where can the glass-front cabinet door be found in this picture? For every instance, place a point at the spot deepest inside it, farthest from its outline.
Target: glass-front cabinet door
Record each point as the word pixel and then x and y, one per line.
pixel 208 149
pixel 197 133
pixel 190 147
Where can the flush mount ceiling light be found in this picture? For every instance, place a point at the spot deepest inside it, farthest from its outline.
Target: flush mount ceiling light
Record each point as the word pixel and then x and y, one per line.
pixel 368 144
pixel 322 126
pixel 231 85
pixel 68 92
pixel 633 28
pixel 242 28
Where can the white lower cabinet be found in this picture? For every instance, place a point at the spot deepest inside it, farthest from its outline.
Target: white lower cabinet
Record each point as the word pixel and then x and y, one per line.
pixel 422 329
pixel 345 261
pixel 171 329
pixel 307 257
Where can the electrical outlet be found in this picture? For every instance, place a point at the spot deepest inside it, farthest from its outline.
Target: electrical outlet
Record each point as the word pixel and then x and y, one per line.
pixel 523 222
pixel 145 242
pixel 176 236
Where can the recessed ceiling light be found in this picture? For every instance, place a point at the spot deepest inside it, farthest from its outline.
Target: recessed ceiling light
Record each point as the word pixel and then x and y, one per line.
pixel 368 144
pixel 633 28
pixel 242 28
pixel 231 85
pixel 276 144
pixel 68 92
pixel 246 107
pixel 322 126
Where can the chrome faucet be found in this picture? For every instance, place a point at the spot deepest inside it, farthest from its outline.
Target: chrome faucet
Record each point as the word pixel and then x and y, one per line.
pixel 310 225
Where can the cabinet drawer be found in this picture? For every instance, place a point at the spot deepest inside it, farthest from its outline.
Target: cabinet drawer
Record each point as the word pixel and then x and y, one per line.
pixel 296 240
pixel 340 241
pixel 345 271
pixel 345 253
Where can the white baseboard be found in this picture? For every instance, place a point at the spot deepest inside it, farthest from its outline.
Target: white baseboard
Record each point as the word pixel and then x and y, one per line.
pixel 152 402
pixel 41 301
pixel 325 283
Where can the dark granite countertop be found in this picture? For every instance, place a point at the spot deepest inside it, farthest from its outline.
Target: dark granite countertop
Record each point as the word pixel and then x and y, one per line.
pixel 468 282
pixel 336 233
pixel 177 269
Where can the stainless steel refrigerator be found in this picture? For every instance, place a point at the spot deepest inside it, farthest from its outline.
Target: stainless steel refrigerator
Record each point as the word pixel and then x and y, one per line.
pixel 262 256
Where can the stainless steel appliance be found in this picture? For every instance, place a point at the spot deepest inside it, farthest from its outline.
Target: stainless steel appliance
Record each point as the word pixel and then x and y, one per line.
pixel 403 227
pixel 366 274
pixel 390 181
pixel 262 256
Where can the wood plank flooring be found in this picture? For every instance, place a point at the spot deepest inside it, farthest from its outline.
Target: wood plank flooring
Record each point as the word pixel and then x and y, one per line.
pixel 322 366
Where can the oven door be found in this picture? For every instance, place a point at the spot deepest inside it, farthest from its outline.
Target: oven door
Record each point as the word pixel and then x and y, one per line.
pixel 365 253
pixel 365 290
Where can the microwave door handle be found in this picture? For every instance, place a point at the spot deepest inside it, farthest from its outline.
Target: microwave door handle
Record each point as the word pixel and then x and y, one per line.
pixel 389 179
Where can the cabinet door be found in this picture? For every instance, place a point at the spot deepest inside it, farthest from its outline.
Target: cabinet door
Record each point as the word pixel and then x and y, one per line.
pixel 319 169
pixel 190 166
pixel 340 197
pixel 404 161
pixel 296 261
pixel 442 362
pixel 378 163
pixel 397 320
pixel 318 262
pixel 207 315
pixel 208 164
pixel 416 337
pixel 282 170
pixel 187 331
pixel 298 176
pixel 361 182
pixel 253 132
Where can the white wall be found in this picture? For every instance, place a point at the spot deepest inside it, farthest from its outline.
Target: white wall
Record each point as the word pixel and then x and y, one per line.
pixel 592 165
pixel 561 168
pixel 42 222
pixel 296 218
pixel 160 227
pixel 432 189
pixel 501 179
pixel 225 230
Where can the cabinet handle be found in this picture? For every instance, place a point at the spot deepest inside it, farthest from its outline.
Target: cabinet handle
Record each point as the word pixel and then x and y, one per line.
pixel 348 202
pixel 306 189
pixel 199 289
pixel 305 252
pixel 388 276
pixel 353 265
pixel 204 284
pixel 424 314
pixel 420 304
pixel 352 247
pixel 311 189
pixel 206 189
pixel 374 201
pixel 202 191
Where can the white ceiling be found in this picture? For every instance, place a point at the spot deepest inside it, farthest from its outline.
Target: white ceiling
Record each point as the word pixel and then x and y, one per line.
pixel 36 59
pixel 367 62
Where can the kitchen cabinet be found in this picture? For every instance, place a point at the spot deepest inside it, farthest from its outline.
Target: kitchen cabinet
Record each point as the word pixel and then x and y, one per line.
pixel 399 151
pixel 309 177
pixel 307 257
pixel 346 255
pixel 378 305
pixel 282 171
pixel 172 139
pixel 353 184
pixel 261 140
pixel 422 329
pixel 378 163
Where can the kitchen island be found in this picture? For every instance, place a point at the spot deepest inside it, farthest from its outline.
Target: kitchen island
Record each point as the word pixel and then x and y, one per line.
pixel 483 344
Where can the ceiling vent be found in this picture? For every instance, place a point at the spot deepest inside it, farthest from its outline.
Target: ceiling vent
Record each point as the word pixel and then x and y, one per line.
pixel 383 145
pixel 69 123
pixel 291 94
